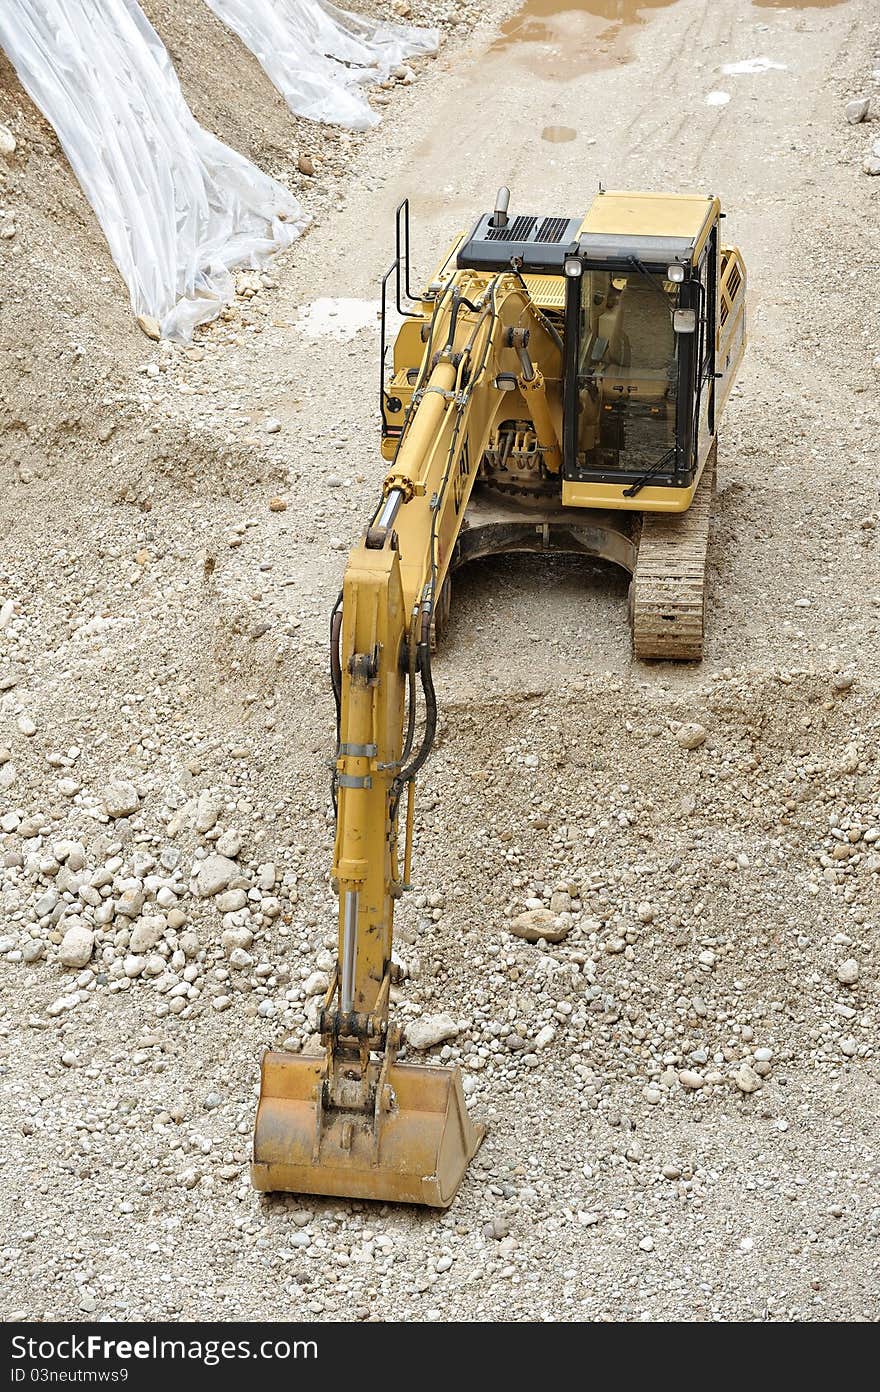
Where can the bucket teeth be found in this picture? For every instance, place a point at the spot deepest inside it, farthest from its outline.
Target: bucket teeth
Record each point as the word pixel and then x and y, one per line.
pixel 414 1148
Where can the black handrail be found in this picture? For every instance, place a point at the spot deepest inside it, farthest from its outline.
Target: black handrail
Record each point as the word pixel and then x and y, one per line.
pixel 400 269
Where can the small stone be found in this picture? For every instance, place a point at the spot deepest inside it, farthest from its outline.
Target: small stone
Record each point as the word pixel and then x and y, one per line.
pixel 121 799
pixel 848 972
pixel 871 165
pixel 214 874
pixel 277 505
pixel 26 725
pixel 746 1078
pixel 130 902
pixel 691 736
pixel 188 1179
pixel 306 165
pixel 7 141
pixel 857 110
pixel 689 1079
pixel 149 326
pixel 536 925
pixel 429 1030
pixel 272 426
pixel 231 900
pixel 233 938
pixel 208 809
pixel 266 876
pixel 842 681
pixel 645 912
pixel 646 1244
pixel 240 959
pixel 146 934
pixel 316 984
pixel 229 844
pixel 544 1037
pixel 76 946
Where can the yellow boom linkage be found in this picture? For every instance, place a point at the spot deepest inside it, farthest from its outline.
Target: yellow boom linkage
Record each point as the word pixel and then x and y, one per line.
pixel 354 1121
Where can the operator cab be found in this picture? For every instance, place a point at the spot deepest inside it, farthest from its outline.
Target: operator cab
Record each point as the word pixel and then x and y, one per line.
pixel 639 341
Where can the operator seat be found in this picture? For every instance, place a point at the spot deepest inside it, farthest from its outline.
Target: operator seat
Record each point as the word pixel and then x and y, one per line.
pixel 640 362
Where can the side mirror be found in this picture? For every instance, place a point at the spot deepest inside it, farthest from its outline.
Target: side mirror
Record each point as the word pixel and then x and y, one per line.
pixel 684 321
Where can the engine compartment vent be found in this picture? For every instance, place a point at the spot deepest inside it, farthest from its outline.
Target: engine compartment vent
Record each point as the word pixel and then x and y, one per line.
pixel 538 243
pixel 552 229
pixel 517 231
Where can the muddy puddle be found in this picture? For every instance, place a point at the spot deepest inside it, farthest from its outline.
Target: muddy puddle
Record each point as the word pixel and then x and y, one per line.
pixel 343 319
pixel 558 135
pixel 563 39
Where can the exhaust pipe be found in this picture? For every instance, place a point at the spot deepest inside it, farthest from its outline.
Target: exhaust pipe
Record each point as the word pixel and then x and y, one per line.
pixel 502 203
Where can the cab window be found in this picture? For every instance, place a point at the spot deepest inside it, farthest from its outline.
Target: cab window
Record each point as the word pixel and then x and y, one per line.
pixel 627 371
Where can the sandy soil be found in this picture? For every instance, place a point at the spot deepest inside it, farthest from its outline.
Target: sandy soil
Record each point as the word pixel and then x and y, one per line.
pixel 682 1095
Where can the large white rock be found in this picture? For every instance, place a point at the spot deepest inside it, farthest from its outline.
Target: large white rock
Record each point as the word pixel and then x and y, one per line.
pixel 214 875
pixel 691 736
pixel 121 799
pixel 429 1030
pixel 208 809
pixel 146 934
pixel 76 946
pixel 746 1078
pixel 541 923
pixel 857 110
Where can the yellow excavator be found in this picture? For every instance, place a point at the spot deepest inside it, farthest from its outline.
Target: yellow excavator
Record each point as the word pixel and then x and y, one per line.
pixel 556 386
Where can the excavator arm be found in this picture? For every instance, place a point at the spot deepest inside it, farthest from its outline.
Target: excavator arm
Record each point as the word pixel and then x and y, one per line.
pixel 354 1121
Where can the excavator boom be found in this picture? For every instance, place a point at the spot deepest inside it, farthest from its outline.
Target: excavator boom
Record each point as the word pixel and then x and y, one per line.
pixel 356 1122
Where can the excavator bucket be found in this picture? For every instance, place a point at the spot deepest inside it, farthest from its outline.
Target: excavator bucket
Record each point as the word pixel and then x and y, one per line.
pixel 414 1150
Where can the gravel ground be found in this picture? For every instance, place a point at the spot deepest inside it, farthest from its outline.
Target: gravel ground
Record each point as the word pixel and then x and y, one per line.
pixel 682 1090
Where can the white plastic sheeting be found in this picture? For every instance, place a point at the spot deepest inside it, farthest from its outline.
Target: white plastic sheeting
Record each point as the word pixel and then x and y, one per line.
pixel 317 55
pixel 179 209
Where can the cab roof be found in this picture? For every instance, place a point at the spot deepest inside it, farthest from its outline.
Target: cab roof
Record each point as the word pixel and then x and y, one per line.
pixel 656 227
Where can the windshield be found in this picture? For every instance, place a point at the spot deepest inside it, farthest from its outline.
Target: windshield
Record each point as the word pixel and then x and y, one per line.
pixel 627 371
